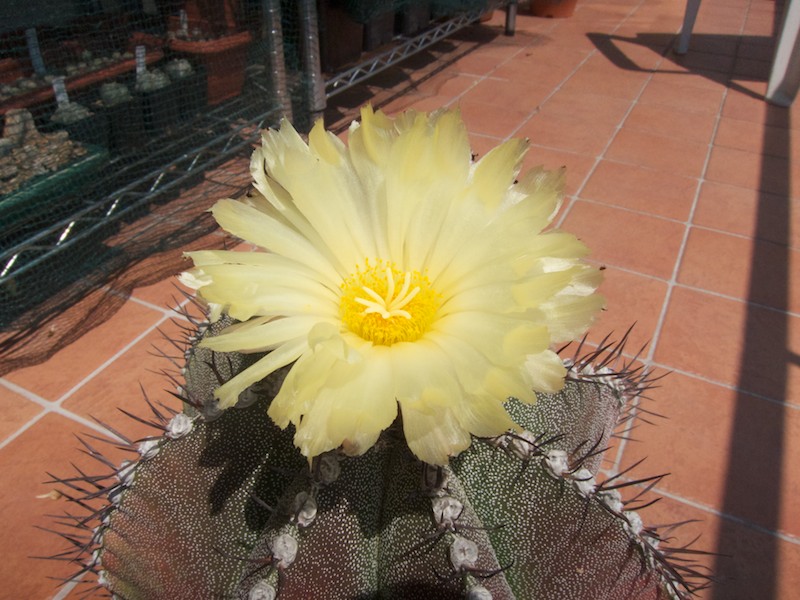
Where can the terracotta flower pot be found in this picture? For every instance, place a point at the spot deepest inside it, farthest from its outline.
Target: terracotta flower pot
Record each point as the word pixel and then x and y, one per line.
pixel 224 60
pixel 553 9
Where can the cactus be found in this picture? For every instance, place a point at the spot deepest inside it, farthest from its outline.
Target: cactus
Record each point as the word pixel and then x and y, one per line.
pixel 222 505
pixel 407 290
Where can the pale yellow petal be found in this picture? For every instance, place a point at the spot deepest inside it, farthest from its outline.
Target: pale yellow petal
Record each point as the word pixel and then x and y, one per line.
pixel 228 393
pixel 432 430
pixel 260 335
pixel 355 405
pixel 545 371
pixel 254 226
pixel 568 317
pixel 495 172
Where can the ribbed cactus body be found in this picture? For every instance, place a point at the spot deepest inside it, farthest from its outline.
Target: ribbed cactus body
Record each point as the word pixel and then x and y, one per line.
pixel 222 505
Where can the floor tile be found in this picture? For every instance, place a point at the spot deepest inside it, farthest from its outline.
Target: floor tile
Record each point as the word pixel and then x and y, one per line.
pixel 751 68
pixel 607 81
pixel 121 385
pixel 67 368
pixel 712 44
pixel 707 61
pixel 764 26
pixel 23 465
pixel 629 51
pixel 658 152
pixel 541 64
pixel 693 444
pixel 753 49
pixel 568 133
pixel 754 564
pixel 490 119
pixel 748 105
pixel 17 411
pixel 475 64
pixel 587 106
pixel 599 226
pixel 481 145
pixel 631 301
pixel 166 294
pixel 418 102
pixel 733 343
pixel 755 171
pixel 578 165
pixel 753 137
pixel 683 92
pixel 730 272
pixel 671 123
pixel 641 189
pixel 447 84
pixel 747 212
pixel 512 94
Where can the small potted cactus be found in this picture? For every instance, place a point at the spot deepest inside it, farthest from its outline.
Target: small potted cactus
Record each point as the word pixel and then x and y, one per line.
pixel 124 114
pixel 373 408
pixel 81 123
pixel 159 100
pixel 191 85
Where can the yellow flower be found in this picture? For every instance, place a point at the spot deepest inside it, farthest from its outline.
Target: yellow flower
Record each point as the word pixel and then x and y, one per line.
pixel 399 273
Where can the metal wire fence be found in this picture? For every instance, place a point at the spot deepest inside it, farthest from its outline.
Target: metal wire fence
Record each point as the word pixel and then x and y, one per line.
pixel 120 120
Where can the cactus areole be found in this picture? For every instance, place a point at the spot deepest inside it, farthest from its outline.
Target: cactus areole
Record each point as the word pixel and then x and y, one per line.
pixel 373 408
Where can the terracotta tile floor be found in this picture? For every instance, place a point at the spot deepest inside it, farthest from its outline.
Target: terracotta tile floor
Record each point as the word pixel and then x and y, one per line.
pixel 683 182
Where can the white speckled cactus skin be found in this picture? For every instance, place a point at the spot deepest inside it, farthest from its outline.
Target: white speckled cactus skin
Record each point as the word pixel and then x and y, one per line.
pixel 222 505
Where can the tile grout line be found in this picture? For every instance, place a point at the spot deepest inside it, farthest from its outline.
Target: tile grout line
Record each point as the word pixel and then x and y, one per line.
pixel 164 318
pixel 598 159
pixel 644 213
pixel 727 386
pixel 48 407
pixel 673 282
pixel 56 405
pixel 632 104
pixel 697 289
pixel 787 537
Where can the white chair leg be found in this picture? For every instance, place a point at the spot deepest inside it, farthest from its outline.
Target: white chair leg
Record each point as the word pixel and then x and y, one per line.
pixel 784 78
pixel 689 17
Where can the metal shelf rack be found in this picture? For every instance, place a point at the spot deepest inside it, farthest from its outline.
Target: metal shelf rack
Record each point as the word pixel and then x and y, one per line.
pixel 168 165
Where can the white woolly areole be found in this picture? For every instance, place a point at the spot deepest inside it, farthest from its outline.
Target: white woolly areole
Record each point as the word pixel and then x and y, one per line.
pixel 126 471
pixel 262 590
pixel 329 468
pixel 179 426
pixel 479 592
pixel 584 481
pixel 463 553
pixel 522 445
pixel 446 510
pixel 304 509
pixel 557 463
pixel 612 499
pixel 284 550
pixel 635 524
pixel 148 448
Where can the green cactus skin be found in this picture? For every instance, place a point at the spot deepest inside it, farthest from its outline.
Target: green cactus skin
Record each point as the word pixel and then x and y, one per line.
pixel 222 505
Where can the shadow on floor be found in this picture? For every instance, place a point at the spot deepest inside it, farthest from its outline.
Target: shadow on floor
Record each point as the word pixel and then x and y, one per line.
pixel 722 46
pixel 752 496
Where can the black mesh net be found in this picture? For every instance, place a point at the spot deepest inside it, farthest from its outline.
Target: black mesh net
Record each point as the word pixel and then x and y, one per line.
pixel 123 120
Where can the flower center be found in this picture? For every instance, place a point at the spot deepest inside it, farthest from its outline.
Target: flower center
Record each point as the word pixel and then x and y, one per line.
pixel 384 305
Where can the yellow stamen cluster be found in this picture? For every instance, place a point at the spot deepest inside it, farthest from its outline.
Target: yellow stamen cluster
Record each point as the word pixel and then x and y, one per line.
pixel 385 305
